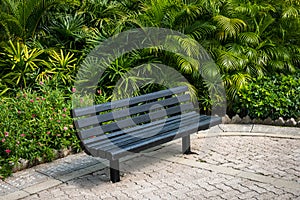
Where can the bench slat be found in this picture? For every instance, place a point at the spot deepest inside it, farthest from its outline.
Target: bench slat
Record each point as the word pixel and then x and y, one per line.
pixel 99 152
pixel 129 139
pixel 145 118
pixel 91 110
pixel 160 139
pixel 143 131
pixel 115 115
pixel 90 142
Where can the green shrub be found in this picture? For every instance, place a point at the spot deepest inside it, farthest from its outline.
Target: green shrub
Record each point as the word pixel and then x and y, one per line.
pixel 34 126
pixel 274 97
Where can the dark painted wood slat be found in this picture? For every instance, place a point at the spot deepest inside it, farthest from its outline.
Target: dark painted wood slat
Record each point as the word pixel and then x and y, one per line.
pixel 146 132
pixel 115 115
pixel 169 128
pixel 137 128
pixel 79 112
pixel 148 143
pixel 177 134
pixel 126 140
pixel 146 118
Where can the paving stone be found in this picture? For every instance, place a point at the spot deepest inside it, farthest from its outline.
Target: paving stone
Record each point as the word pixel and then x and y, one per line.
pixel 14 195
pixel 26 178
pixel 6 188
pixel 215 129
pixel 247 195
pixel 230 194
pixel 222 187
pixel 212 194
pixel 59 169
pixel 287 196
pixel 42 186
pixel 275 129
pixel 267 196
pixel 32 197
pixel 236 127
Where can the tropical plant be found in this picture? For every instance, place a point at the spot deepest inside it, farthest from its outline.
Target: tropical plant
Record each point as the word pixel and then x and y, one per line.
pixel 20 64
pixel 246 39
pixel 66 31
pixel 21 19
pixel 3 88
pixel 61 68
pixel 248 45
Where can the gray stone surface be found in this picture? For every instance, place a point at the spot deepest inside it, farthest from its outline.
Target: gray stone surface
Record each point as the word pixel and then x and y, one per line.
pixel 268 121
pixel 245 166
pixel 226 119
pixel 291 122
pixel 246 120
pixel 257 121
pixel 236 127
pixel 6 188
pixel 70 164
pixel 279 122
pixel 275 129
pixel 236 119
pixel 26 178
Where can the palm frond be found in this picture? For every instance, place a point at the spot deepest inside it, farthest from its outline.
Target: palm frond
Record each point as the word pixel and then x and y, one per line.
pixel 229 61
pixel 187 15
pixel 250 38
pixel 200 30
pixel 235 82
pixel 290 12
pixel 229 27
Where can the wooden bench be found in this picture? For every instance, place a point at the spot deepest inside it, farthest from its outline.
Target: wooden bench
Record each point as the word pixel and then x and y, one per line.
pixel 115 129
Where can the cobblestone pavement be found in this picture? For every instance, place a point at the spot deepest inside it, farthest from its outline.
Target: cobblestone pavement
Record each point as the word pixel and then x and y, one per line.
pixel 226 165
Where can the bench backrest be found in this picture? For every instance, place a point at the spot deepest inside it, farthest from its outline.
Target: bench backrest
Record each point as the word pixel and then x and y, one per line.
pixel 118 115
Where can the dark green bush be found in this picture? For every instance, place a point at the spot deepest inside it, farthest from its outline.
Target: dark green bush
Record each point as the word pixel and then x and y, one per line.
pixel 274 97
pixel 34 125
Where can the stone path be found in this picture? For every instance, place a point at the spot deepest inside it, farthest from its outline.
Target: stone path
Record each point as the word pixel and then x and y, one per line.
pixel 229 162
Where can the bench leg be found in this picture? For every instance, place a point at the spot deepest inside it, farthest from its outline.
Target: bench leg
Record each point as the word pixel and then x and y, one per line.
pixel 114 171
pixel 186 145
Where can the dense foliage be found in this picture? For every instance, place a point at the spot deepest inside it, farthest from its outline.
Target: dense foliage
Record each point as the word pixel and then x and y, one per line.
pixel 255 45
pixel 245 38
pixel 274 97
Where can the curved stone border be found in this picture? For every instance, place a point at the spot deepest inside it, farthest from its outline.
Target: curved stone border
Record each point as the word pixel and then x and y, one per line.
pixel 268 121
pixel 251 130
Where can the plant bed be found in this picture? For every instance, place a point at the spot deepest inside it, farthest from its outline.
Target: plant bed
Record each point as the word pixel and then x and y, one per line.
pixel 35 127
